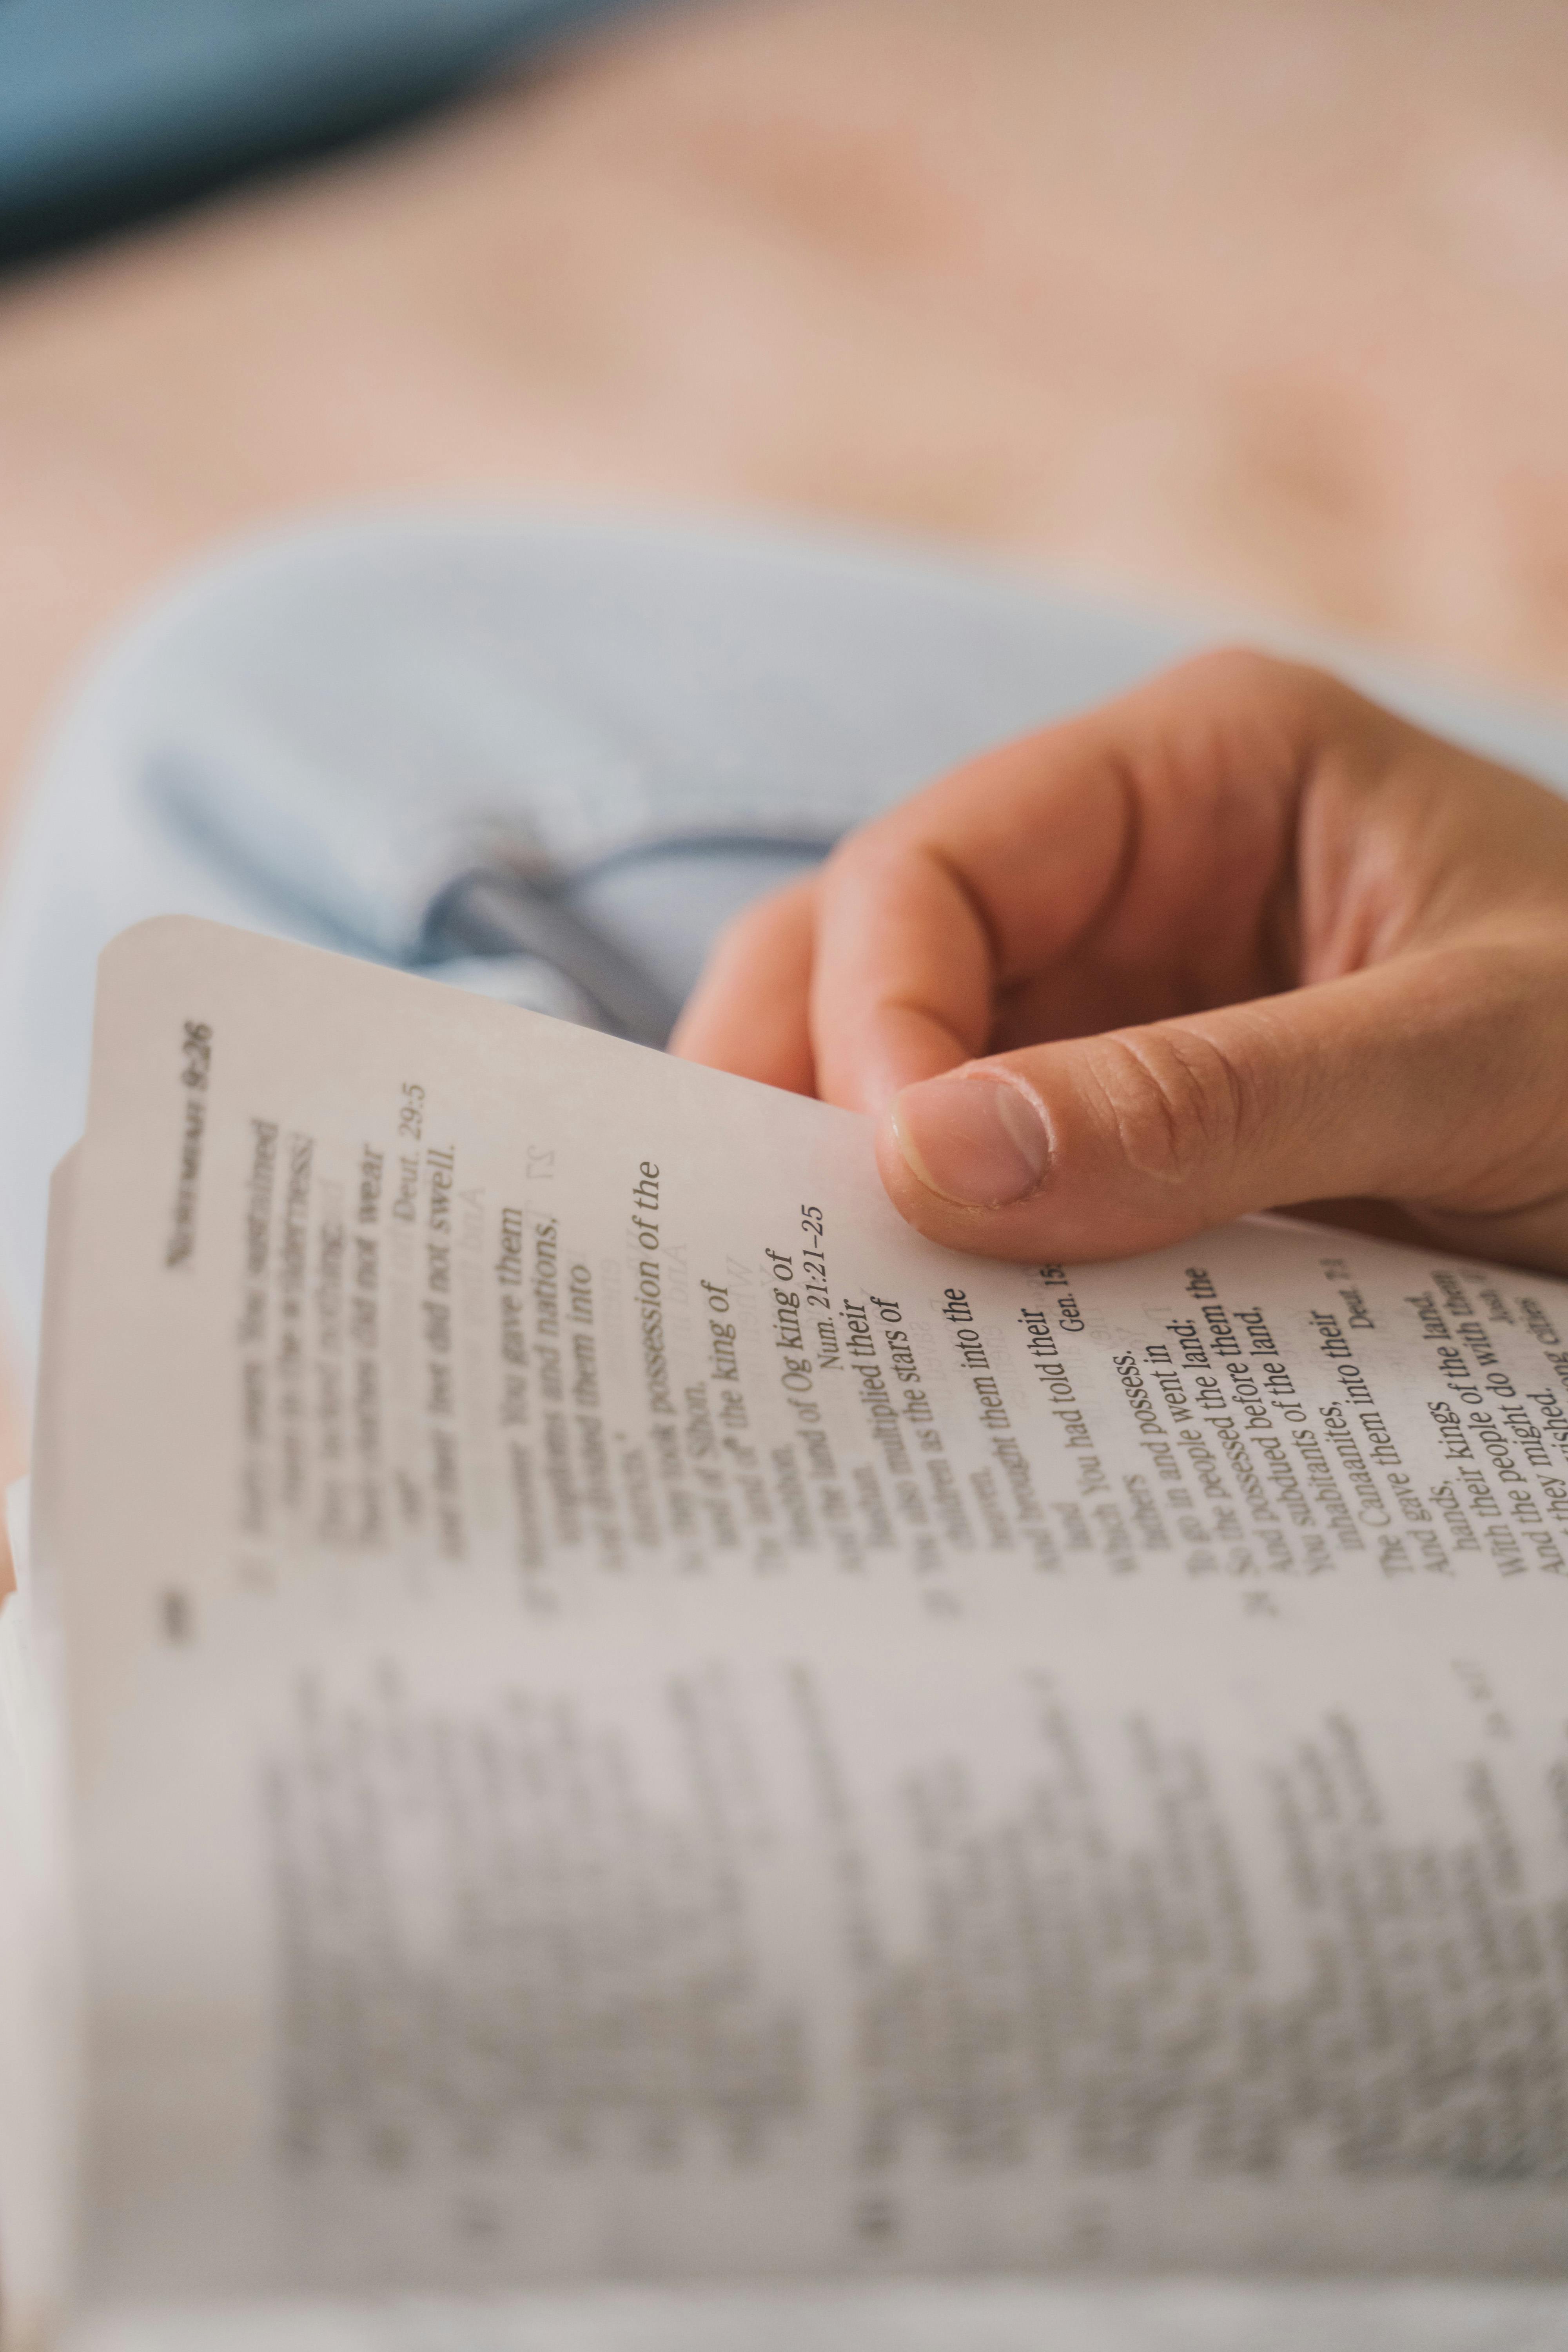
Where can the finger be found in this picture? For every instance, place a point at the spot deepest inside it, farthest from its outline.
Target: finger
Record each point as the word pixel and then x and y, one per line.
pixel 749 1011
pixel 904 976
pixel 1134 863
pixel 1432 1079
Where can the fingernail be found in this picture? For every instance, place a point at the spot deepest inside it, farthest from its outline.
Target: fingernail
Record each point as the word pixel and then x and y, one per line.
pixel 976 1140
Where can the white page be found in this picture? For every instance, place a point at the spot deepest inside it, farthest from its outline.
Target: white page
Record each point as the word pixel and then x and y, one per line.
pixel 679 1828
pixel 38 1986
pixel 29 2196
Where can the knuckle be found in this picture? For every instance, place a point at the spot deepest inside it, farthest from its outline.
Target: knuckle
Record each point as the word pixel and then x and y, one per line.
pixel 1171 1098
pixel 1237 667
pixel 755 929
pixel 866 856
pixel 1244 676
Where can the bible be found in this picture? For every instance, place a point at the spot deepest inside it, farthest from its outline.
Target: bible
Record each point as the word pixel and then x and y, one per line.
pixel 585 1709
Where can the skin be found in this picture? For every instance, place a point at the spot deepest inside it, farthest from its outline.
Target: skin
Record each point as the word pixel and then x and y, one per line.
pixel 1239 940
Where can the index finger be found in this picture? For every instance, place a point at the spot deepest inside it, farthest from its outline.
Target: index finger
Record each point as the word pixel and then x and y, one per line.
pixel 1125 865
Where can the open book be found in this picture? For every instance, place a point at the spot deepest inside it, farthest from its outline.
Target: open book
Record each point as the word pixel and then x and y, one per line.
pixel 608 1711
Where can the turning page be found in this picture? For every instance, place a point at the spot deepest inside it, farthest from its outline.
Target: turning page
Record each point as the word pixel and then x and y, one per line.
pixel 631 1719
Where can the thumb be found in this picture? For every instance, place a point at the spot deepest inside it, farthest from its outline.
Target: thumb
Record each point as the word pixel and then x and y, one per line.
pixel 1433 1080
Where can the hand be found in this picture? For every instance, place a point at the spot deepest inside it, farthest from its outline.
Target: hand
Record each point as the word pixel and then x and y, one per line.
pixel 1239 941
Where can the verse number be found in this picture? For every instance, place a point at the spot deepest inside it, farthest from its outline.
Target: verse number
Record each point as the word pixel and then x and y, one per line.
pixel 411 1113
pixel 196 1056
pixel 811 1220
pixel 477 2217
pixel 1085 2237
pixel 876 2219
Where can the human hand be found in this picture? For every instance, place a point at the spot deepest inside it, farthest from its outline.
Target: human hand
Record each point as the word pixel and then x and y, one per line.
pixel 1238 941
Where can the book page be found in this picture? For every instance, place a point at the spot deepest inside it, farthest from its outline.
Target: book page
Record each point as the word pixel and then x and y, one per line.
pixel 38 1981
pixel 632 1718
pixel 35 1971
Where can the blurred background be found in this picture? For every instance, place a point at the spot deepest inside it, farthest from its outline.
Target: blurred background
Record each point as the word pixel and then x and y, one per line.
pixel 1255 305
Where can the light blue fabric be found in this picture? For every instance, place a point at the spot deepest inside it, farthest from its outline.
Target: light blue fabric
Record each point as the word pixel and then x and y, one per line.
pixel 309 735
